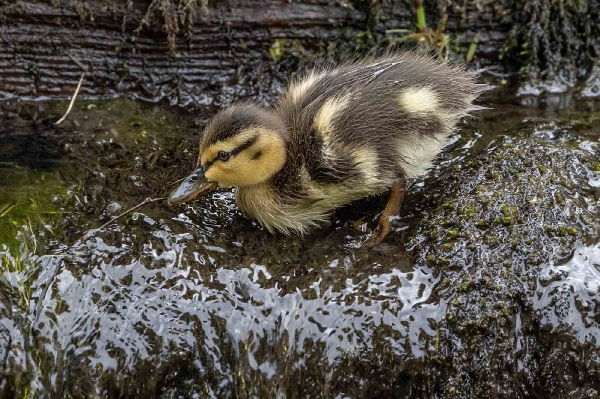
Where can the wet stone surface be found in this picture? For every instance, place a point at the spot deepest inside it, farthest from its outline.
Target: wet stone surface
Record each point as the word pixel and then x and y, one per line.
pixel 489 285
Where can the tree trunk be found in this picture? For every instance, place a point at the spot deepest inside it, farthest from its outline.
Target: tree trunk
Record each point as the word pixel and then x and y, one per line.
pixel 44 48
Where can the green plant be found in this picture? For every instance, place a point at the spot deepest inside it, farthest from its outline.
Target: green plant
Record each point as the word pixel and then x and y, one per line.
pixel 427 38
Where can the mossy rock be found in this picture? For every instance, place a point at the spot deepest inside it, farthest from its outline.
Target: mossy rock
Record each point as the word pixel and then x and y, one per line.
pixel 524 207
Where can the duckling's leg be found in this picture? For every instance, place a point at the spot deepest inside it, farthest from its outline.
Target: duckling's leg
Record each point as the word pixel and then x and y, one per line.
pixel 392 208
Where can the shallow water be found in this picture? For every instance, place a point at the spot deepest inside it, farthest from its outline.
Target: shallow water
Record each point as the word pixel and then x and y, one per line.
pixel 489 283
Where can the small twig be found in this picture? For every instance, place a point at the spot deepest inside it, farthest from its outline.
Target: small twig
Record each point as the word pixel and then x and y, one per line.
pixel 84 68
pixel 72 100
pixel 94 231
pixel 189 3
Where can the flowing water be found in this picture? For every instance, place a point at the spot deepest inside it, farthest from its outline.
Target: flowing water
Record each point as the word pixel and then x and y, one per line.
pixel 489 284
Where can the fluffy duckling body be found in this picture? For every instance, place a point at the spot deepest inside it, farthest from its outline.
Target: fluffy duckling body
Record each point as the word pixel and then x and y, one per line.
pixel 336 136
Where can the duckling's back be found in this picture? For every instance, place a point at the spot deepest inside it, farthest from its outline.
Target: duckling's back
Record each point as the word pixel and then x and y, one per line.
pixel 376 121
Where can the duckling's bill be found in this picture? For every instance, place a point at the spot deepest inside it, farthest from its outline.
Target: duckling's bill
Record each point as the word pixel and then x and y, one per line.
pixel 194 185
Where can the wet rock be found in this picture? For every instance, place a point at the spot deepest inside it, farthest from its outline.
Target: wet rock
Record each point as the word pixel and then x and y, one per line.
pixel 514 251
pixel 489 304
pixel 112 208
pixel 488 286
pixel 13 373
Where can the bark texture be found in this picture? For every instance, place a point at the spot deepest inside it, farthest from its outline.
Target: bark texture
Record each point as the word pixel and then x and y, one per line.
pixel 199 52
pixel 230 50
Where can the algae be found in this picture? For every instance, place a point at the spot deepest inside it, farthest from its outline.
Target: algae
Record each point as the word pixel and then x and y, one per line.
pixel 555 45
pixel 30 206
pixel 559 40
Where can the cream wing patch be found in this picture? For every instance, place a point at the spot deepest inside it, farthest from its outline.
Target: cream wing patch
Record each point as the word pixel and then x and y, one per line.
pixel 329 110
pixel 366 161
pixel 418 100
pixel 298 89
pixel 417 156
pixel 323 124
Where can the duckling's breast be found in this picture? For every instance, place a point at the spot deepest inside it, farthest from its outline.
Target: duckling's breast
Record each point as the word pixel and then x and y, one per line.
pixel 276 211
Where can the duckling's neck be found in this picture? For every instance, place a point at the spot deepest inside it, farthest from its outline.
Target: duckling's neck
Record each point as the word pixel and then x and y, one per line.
pixel 278 125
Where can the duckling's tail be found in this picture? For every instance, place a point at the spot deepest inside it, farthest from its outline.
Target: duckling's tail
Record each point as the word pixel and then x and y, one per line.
pixel 479 88
pixel 475 108
pixel 483 87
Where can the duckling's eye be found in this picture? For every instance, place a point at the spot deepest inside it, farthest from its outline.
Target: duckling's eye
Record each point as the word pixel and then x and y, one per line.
pixel 223 156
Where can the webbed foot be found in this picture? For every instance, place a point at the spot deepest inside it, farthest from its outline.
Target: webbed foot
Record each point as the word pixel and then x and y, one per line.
pixel 392 208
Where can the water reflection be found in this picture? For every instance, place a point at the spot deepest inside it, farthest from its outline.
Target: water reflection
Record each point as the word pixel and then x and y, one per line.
pixel 111 306
pixel 569 294
pixel 198 301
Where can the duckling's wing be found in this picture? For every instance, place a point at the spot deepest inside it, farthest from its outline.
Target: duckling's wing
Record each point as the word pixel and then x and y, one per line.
pixel 332 169
pixel 376 119
pixel 317 147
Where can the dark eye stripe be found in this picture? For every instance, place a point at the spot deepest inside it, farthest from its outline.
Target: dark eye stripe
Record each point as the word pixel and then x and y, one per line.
pixel 233 152
pixel 242 147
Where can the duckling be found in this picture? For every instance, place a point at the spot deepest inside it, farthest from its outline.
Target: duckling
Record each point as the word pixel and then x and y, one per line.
pixel 336 135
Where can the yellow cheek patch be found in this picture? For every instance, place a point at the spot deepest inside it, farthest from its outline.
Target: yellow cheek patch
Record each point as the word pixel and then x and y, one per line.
pixel 244 168
pixel 214 173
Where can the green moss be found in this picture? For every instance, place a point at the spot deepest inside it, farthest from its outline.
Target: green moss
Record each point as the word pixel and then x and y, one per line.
pixel 562 231
pixel 508 221
pixel 470 210
pixel 277 49
pixel 509 215
pixel 29 202
pixel 559 199
pixel 464 286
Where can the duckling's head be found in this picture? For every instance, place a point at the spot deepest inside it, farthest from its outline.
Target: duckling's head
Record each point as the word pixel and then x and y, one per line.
pixel 242 146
